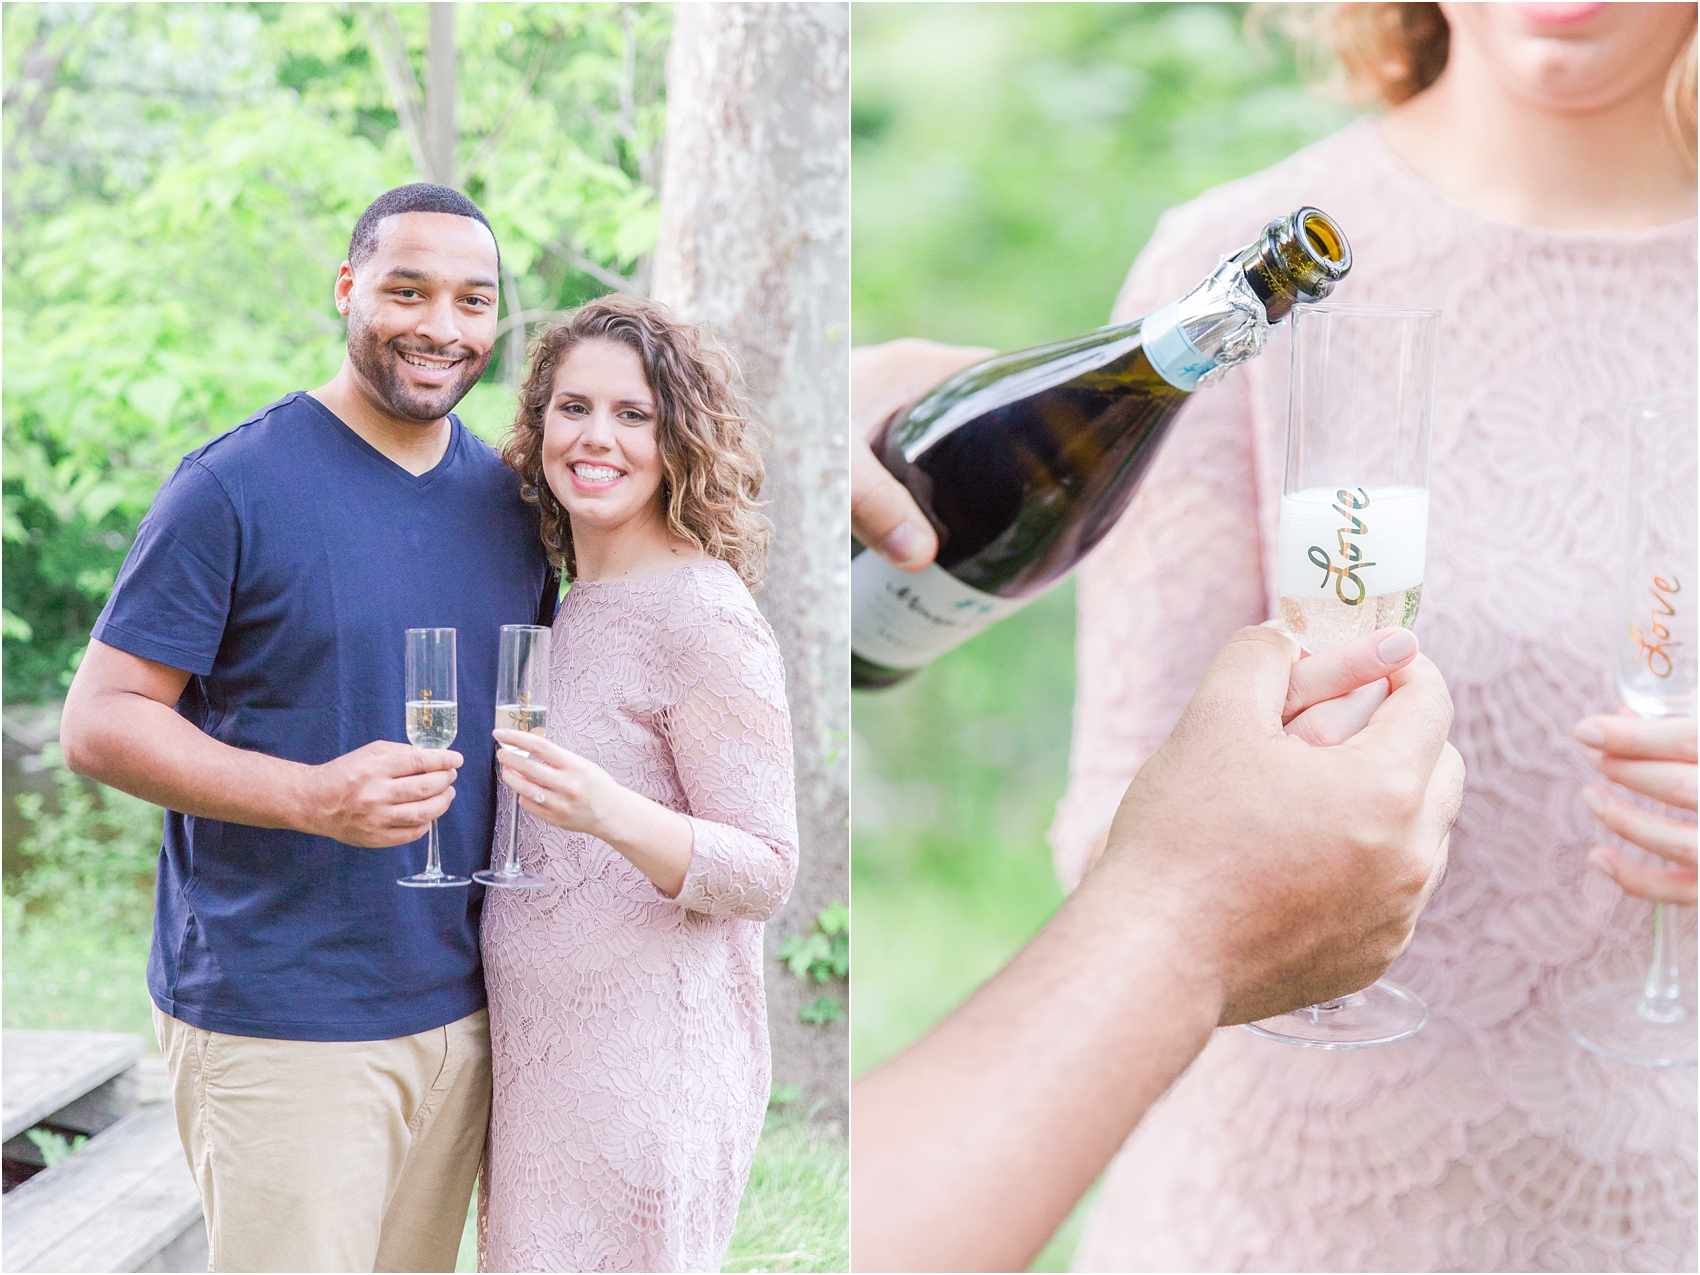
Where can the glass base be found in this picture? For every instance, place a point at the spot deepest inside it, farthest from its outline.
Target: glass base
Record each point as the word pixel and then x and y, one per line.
pixel 510 880
pixel 1378 1015
pixel 1609 1021
pixel 423 882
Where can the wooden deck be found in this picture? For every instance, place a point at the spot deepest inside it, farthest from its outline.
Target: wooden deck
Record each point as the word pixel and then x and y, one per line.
pixel 124 1201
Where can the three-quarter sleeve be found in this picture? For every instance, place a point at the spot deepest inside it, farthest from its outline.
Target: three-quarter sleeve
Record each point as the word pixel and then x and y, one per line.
pixel 730 733
pixel 1178 574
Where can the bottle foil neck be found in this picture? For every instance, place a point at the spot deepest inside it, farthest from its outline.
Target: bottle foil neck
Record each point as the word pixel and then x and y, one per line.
pixel 1221 322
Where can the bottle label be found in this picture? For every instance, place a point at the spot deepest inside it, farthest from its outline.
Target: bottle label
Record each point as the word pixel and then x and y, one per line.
pixel 1176 359
pixel 902 619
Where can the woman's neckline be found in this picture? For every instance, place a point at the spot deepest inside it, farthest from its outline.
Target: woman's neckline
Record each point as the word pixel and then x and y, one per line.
pixel 1370 125
pixel 646 579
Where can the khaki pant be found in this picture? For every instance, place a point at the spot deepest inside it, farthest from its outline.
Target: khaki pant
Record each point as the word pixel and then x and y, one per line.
pixel 332 1156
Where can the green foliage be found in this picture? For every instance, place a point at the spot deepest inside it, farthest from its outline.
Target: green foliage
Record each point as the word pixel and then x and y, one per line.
pixel 955 774
pixel 820 954
pixel 79 908
pixel 822 1010
pixel 181 183
pixel 91 854
pixel 781 1096
pixel 54 1147
pixel 1010 159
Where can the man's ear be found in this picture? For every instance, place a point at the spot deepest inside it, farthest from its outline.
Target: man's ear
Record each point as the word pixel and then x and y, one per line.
pixel 344 288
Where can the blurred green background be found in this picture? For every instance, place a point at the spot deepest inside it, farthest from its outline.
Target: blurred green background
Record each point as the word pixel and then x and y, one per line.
pixel 1009 162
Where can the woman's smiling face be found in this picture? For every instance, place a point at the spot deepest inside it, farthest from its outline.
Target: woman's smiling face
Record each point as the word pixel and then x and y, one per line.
pixel 601 452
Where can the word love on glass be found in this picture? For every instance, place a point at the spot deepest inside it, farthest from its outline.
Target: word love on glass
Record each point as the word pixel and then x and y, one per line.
pixel 1654 642
pixel 1351 552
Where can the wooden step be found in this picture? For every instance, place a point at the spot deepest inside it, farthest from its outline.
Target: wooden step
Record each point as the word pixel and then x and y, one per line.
pixel 57 1074
pixel 124 1202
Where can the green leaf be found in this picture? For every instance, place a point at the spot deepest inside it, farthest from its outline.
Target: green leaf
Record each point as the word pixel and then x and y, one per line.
pixel 155 398
pixel 54 1147
pixel 822 1010
pixel 841 956
pixel 834 918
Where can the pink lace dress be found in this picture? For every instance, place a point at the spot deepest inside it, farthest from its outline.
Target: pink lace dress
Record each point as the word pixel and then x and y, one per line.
pixel 629 1030
pixel 1489 1141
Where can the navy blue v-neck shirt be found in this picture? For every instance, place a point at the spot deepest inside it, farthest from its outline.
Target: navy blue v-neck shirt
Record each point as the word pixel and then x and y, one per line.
pixel 279 566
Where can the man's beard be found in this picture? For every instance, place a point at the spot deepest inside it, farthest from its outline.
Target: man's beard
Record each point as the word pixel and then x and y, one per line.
pixel 376 362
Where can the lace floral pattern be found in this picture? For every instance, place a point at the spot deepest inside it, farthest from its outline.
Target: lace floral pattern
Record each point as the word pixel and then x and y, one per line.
pixel 1489 1141
pixel 629 1030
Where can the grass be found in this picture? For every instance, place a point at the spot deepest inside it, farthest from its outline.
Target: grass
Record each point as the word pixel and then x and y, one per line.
pixel 795 1214
pixel 62 976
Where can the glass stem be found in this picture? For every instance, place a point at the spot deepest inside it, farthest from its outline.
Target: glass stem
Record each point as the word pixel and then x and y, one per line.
pixel 1661 994
pixel 433 855
pixel 511 867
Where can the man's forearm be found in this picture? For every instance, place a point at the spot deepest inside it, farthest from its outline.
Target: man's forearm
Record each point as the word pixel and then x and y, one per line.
pixel 972 1147
pixel 137 744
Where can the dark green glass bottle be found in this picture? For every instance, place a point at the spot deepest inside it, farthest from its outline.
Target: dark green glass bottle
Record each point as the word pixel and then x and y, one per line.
pixel 1025 461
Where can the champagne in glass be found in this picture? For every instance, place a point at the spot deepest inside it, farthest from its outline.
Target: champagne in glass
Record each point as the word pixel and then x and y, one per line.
pixel 430 675
pixel 1651 1021
pixel 1354 534
pixel 522 703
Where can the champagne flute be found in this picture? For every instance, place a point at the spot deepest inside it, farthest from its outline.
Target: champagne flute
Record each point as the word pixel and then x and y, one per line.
pixel 431 724
pixel 1354 535
pixel 1651 1021
pixel 522 703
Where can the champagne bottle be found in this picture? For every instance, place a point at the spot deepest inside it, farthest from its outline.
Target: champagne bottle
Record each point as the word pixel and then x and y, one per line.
pixel 1025 461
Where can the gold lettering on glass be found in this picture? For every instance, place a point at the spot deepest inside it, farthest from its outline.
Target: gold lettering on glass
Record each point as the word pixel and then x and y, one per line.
pixel 1351 553
pixel 1654 642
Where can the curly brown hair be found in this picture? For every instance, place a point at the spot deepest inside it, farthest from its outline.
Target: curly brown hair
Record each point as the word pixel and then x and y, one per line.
pixel 711 469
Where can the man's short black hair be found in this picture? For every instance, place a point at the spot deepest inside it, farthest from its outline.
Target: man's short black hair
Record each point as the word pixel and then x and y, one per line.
pixel 419 197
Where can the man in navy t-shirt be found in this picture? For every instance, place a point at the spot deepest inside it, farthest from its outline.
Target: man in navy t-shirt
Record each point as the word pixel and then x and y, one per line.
pixel 324 1027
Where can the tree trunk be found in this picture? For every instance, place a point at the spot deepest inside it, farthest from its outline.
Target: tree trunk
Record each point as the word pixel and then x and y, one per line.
pixel 754 240
pixel 440 136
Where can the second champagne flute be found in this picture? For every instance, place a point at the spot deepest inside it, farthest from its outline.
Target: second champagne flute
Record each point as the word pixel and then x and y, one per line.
pixel 1650 1021
pixel 431 724
pixel 522 703
pixel 1354 534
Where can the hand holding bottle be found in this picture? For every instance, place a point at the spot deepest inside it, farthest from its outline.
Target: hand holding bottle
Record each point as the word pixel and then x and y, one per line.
pixel 883 379
pixel 1024 461
pixel 1656 758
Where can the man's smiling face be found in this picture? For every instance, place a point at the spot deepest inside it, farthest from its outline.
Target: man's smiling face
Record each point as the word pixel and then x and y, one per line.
pixel 422 312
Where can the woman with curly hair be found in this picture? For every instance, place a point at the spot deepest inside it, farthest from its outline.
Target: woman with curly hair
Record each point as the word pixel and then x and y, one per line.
pixel 627 1018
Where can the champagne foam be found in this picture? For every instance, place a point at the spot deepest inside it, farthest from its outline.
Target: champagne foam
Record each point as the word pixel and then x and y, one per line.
pixel 1391 548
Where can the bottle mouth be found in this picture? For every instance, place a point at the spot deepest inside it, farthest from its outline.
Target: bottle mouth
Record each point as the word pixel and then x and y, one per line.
pixel 1323 241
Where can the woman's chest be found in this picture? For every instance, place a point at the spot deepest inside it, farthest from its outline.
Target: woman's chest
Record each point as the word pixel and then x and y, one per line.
pixel 609 699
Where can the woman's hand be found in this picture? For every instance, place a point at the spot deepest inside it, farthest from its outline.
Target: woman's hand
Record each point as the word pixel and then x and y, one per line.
pixel 574 794
pixel 1655 758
